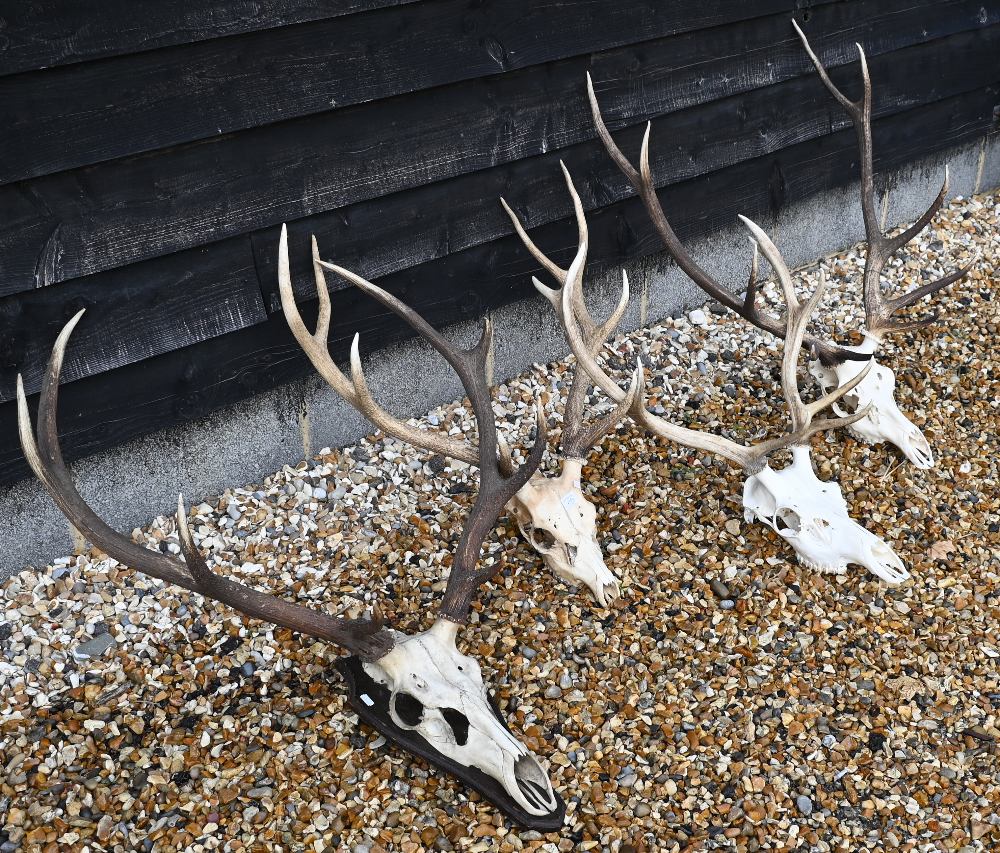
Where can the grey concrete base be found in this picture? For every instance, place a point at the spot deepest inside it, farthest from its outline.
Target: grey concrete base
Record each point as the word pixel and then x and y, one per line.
pixel 243 443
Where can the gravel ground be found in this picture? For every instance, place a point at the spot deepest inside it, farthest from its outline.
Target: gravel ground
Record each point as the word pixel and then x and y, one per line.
pixel 733 701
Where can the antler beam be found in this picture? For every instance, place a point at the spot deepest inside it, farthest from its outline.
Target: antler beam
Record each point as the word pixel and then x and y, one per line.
pixel 879 309
pixel 364 638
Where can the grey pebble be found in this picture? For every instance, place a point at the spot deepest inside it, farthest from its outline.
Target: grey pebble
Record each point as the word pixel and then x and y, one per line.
pixel 727 604
pixel 234 511
pixel 94 648
pixel 805 804
pixel 553 692
pixel 719 588
pixel 627 778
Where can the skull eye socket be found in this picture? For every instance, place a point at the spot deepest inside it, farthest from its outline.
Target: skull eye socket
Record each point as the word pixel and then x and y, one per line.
pixel 542 539
pixel 459 724
pixel 408 708
pixel 849 403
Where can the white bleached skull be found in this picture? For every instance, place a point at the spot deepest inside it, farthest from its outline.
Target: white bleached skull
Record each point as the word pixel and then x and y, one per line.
pixel 438 693
pixel 555 516
pixel 885 421
pixel 812 516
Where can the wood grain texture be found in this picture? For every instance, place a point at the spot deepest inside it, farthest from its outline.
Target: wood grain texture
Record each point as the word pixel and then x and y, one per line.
pixel 133 313
pixel 63 118
pixel 44 33
pixel 457 214
pixel 110 408
pixel 81 222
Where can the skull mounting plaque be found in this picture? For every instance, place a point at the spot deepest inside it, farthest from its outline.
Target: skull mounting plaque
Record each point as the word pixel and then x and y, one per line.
pixel 371 701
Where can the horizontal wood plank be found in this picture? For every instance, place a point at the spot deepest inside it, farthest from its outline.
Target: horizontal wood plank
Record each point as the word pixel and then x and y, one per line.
pixel 110 408
pixel 44 33
pixel 64 118
pixel 77 223
pixel 133 313
pixel 383 236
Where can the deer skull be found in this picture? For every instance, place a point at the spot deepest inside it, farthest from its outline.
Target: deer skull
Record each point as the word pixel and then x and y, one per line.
pixel 885 421
pixel 438 693
pixel 555 516
pixel 812 516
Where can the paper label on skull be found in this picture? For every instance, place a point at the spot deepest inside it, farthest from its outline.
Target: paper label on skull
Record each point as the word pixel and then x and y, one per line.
pixel 367 699
pixel 569 500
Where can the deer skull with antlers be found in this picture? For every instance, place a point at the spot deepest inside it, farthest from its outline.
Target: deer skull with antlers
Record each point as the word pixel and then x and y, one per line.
pixel 885 420
pixel 552 513
pixel 811 515
pixel 417 689
pixel 834 366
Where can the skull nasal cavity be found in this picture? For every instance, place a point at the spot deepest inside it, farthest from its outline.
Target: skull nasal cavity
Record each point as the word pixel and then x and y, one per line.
pixel 408 708
pixel 459 724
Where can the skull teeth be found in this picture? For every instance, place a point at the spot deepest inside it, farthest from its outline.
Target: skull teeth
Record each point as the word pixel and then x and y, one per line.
pixel 826 568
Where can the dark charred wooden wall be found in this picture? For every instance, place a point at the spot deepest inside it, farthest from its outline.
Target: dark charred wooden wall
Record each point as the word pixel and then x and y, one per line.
pixel 151 151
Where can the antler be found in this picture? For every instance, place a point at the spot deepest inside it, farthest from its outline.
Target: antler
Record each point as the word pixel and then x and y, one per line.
pixel 364 638
pixel 642 182
pixel 578 437
pixel 797 315
pixel 316 348
pixel 878 308
pixel 499 480
pixel 751 458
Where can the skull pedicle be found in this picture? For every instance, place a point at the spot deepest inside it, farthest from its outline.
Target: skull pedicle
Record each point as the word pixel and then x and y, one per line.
pixel 885 421
pixel 438 693
pixel 555 516
pixel 812 516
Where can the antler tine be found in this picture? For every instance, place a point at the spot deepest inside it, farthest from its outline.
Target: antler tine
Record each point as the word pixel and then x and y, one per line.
pixel 432 441
pixel 45 458
pixel 878 308
pixel 803 425
pixel 578 263
pixel 553 269
pixel 315 346
pixel 797 316
pixel 578 437
pixel 777 262
pixel 642 182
